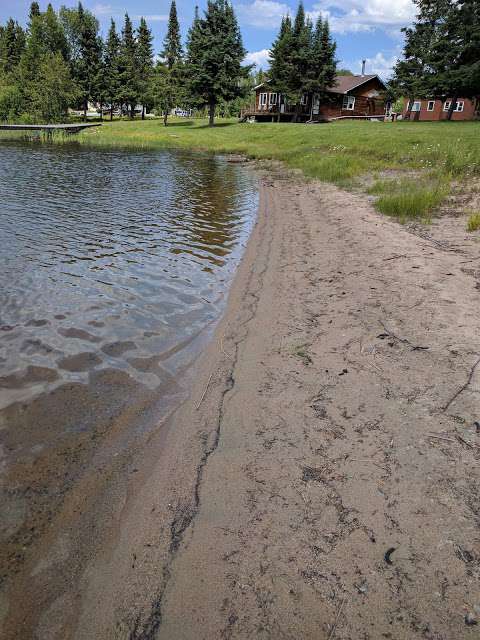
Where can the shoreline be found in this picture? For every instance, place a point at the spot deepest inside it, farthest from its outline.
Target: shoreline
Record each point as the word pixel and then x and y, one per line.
pixel 271 500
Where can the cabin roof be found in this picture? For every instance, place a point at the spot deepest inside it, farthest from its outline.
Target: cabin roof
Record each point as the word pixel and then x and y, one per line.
pixel 343 84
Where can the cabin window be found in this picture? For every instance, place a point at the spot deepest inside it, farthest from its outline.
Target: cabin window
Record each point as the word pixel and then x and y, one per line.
pixel 458 107
pixel 431 105
pixel 417 106
pixel 263 99
pixel 273 98
pixel 304 99
pixel 349 103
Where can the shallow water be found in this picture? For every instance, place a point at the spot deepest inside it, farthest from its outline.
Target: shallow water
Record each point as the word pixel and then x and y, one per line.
pixel 108 259
pixel 114 268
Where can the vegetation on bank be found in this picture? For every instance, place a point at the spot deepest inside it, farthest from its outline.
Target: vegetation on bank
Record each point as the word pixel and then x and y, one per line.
pixel 431 157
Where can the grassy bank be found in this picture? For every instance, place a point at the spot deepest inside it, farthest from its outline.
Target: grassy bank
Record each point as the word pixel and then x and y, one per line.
pixel 410 166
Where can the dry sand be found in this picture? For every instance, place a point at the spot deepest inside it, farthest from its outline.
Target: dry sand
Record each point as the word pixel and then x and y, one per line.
pixel 322 479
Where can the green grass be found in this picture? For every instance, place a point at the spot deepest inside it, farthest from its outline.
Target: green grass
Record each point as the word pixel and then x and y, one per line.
pixel 473 223
pixel 340 152
pixel 408 199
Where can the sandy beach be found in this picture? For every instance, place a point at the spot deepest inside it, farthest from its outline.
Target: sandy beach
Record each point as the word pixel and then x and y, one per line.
pixel 321 481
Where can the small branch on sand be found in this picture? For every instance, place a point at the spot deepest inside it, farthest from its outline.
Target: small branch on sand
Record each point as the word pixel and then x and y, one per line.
pixel 463 388
pixel 430 435
pixel 390 333
pixel 228 355
pixel 205 392
pixel 334 627
pixel 404 255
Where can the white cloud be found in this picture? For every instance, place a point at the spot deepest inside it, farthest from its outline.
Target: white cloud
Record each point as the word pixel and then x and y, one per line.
pixel 103 10
pixel 258 58
pixel 266 14
pixel 153 18
pixel 365 15
pixel 379 64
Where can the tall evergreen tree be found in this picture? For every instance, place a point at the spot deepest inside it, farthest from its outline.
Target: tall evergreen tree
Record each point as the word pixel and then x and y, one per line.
pixel 128 67
pixel 144 62
pixel 281 62
pixel 34 10
pixel 215 55
pixel 111 67
pixel 12 46
pixel 170 76
pixel 172 46
pixel 89 67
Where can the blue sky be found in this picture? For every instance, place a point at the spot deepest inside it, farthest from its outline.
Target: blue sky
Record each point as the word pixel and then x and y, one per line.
pixel 362 28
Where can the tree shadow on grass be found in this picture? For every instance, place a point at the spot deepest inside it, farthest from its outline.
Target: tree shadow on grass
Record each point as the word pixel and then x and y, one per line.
pixel 217 125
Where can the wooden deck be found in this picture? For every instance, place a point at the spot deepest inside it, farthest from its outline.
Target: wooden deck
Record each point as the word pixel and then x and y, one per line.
pixel 50 128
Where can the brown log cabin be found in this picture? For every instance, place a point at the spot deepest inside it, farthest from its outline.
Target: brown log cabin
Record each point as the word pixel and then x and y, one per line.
pixel 360 97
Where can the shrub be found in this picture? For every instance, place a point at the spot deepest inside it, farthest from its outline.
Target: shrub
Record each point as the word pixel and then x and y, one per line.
pixel 473 223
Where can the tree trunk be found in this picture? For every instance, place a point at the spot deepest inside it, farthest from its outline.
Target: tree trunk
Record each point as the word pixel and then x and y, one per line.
pixel 211 120
pixel 132 111
pixel 165 117
pixel 453 104
pixel 101 111
pixel 85 107
pixel 143 112
pixel 111 111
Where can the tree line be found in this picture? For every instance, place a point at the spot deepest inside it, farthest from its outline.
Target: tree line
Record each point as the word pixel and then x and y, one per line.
pixel 442 53
pixel 60 61
pixel 302 59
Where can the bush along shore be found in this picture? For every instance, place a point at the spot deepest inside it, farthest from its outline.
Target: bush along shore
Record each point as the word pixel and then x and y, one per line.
pixel 412 170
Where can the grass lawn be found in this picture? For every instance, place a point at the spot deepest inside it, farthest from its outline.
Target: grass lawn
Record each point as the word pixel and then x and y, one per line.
pixel 411 167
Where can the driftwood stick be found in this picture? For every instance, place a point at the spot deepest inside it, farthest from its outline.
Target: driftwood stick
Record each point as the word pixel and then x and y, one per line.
pixel 205 392
pixel 463 388
pixel 414 347
pixel 334 627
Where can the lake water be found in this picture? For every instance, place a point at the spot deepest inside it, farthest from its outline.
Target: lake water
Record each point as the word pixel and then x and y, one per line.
pixel 114 267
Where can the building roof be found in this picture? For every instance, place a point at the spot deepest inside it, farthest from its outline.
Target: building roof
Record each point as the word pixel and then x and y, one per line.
pixel 343 84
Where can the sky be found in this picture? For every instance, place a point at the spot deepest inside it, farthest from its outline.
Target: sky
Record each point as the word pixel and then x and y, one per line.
pixel 363 29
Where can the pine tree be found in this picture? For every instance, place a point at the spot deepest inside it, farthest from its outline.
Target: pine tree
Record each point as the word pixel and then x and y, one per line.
pixel 34 10
pixel 215 55
pixel 128 67
pixel 12 46
pixel 89 67
pixel 111 67
pixel 172 46
pixel 170 76
pixel 281 63
pixel 144 62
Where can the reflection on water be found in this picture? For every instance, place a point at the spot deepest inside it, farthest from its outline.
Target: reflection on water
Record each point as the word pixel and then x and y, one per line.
pixel 111 260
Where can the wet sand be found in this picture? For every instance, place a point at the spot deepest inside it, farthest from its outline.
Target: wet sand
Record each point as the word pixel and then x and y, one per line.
pixel 322 478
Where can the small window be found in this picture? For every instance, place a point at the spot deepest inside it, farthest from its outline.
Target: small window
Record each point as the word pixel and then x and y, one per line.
pixel 263 99
pixel 446 106
pixel 349 103
pixel 273 98
pixel 417 106
pixel 431 105
pixel 460 106
pixel 304 99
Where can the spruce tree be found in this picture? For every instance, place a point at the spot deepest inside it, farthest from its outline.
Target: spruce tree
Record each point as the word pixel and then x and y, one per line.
pixel 128 67
pixel 170 76
pixel 89 68
pixel 215 55
pixel 111 67
pixel 281 63
pixel 12 46
pixel 144 62
pixel 172 46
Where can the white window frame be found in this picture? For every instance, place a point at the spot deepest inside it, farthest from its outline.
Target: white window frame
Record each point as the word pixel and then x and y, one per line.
pixel 304 99
pixel 348 103
pixel 273 99
pixel 262 102
pixel 459 107
pixel 416 106
pixel 431 105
